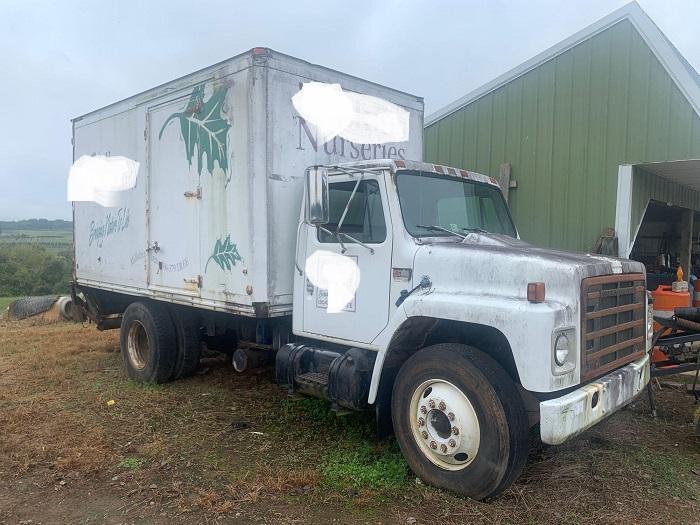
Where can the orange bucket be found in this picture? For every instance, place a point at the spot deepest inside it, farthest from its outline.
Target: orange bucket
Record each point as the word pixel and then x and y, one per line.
pixel 666 299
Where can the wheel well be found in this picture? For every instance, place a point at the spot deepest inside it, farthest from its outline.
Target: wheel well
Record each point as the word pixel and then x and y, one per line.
pixel 420 332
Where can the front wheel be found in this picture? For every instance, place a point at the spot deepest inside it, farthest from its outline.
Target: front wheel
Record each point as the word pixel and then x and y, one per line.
pixel 460 421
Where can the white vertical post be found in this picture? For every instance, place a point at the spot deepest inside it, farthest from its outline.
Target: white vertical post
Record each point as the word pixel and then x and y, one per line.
pixel 687 241
pixel 623 209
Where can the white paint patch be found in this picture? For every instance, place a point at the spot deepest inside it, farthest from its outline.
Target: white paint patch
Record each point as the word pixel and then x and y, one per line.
pixel 336 277
pixel 362 119
pixel 101 179
pixel 615 264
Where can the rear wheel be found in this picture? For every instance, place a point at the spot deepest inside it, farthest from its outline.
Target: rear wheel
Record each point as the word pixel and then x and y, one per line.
pixel 147 341
pixel 460 421
pixel 189 343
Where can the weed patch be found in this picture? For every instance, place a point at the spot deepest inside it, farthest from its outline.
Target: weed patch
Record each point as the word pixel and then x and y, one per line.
pixel 365 465
pixel 131 463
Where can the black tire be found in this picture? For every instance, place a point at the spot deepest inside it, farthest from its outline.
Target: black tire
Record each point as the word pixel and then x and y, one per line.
pixel 503 423
pixel 189 343
pixel 148 328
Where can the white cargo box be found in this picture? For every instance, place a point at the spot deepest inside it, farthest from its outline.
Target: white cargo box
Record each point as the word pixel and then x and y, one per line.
pixel 212 220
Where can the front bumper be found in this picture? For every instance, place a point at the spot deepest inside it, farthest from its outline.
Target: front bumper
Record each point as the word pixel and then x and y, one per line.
pixel 569 415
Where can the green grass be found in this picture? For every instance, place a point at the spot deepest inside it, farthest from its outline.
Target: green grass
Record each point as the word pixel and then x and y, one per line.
pixel 672 474
pixel 364 464
pixel 131 463
pixel 4 303
pixel 355 460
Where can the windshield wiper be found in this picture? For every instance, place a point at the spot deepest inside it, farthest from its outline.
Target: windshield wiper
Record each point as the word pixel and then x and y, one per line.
pixel 475 229
pixel 432 227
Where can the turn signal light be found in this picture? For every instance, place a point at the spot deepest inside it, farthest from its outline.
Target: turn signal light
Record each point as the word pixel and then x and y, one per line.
pixel 535 292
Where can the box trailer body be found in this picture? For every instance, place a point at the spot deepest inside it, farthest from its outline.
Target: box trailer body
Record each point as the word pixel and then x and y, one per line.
pixel 215 225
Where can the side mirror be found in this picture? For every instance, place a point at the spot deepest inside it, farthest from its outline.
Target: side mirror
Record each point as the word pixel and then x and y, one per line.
pixel 317 212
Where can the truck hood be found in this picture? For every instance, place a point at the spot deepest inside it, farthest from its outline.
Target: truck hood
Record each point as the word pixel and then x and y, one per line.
pixel 493 264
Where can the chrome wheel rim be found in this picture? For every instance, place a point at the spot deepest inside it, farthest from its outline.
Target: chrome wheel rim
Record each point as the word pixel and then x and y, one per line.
pixel 138 346
pixel 444 424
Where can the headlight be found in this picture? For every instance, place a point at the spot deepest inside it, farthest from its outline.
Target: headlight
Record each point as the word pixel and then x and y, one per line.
pixel 561 349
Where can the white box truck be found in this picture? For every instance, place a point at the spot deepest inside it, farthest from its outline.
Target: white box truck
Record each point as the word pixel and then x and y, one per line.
pixel 368 279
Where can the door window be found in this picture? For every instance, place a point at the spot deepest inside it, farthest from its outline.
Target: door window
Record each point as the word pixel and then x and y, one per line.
pixel 364 219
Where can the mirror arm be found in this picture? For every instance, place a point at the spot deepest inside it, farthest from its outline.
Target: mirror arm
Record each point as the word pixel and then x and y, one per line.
pixel 347 206
pixel 371 250
pixel 336 235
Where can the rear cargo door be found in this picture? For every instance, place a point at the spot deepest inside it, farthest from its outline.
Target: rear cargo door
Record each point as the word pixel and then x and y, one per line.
pixel 174 200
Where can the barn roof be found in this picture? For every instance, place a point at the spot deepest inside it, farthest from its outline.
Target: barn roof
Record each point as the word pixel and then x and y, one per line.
pixel 679 69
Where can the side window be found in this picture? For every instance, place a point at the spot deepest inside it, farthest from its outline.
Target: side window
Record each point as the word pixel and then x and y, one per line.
pixel 364 219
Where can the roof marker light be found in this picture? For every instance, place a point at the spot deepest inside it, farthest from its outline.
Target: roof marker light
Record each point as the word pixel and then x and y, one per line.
pixel 400 163
pixel 438 168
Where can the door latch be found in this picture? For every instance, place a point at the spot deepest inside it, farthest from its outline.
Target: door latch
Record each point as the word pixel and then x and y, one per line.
pixel 195 280
pixel 195 193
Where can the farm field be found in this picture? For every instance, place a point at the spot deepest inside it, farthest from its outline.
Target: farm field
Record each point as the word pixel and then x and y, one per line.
pixel 52 240
pixel 80 443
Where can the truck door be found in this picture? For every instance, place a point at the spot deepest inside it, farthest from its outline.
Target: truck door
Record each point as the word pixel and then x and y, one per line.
pixel 173 205
pixel 346 293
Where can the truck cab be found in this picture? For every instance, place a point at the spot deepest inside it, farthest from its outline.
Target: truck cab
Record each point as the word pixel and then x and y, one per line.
pixel 414 295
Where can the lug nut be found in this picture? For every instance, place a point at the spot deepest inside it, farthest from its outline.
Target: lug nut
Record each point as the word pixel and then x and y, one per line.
pixel 450 416
pixel 442 406
pixel 433 445
pixel 455 431
pixel 424 435
pixel 423 410
pixel 421 421
pixel 443 448
pixel 431 403
pixel 452 443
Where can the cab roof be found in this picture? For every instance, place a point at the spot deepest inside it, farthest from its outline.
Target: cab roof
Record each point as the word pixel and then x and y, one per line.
pixel 398 164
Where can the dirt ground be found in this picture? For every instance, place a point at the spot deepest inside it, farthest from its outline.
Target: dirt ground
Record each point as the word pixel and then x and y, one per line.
pixel 80 443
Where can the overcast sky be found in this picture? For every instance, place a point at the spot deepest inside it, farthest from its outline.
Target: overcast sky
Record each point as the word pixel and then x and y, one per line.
pixel 61 59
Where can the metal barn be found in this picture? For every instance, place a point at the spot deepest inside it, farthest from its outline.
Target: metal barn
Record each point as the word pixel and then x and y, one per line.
pixel 592 141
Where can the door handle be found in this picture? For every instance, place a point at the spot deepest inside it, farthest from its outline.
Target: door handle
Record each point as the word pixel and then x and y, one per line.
pixel 154 247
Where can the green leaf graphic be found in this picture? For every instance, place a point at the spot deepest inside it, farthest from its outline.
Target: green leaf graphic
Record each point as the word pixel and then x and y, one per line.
pixel 202 125
pixel 225 254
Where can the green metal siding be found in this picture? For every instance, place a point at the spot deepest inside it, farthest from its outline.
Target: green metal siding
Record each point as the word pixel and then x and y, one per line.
pixel 565 127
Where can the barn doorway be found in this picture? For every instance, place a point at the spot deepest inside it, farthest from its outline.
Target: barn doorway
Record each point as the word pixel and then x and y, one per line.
pixel 664 242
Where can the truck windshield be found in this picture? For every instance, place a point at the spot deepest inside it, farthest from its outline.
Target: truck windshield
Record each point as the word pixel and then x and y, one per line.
pixel 432 204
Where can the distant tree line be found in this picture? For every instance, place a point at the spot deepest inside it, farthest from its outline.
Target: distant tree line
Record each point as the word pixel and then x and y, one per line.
pixel 37 224
pixel 33 270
